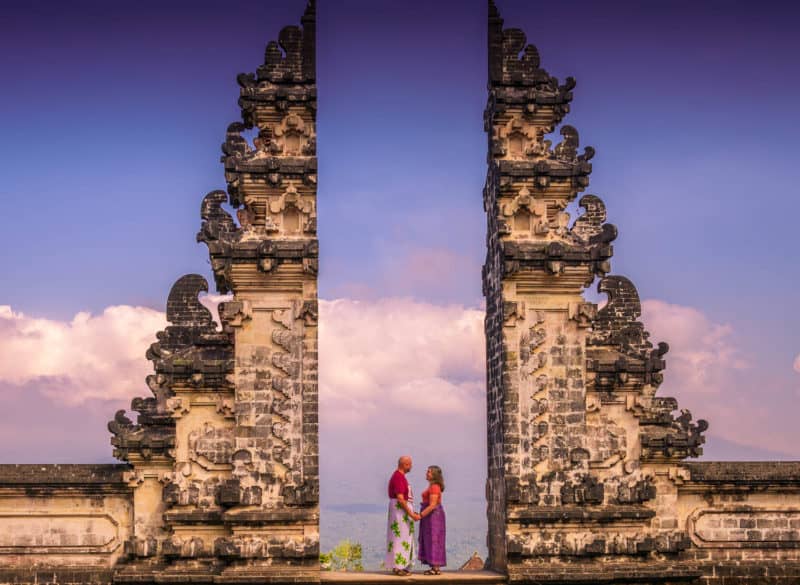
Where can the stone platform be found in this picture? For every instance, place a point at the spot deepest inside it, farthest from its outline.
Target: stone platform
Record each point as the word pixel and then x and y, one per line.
pixel 450 577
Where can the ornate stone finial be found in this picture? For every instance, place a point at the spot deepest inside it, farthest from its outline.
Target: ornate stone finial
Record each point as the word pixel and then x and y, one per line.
pixel 121 424
pixel 677 439
pixel 618 322
pixel 183 306
pixel 292 57
pixel 590 227
pixel 512 61
pixel 190 351
pixel 527 101
pixel 217 223
pixel 235 145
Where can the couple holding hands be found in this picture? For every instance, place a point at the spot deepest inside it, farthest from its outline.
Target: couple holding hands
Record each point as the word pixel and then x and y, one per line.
pixel 400 530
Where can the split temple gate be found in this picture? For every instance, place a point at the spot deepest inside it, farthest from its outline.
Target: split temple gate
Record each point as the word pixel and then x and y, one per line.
pixel 587 474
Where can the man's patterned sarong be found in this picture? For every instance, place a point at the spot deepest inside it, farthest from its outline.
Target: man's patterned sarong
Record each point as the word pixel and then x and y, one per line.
pixel 399 538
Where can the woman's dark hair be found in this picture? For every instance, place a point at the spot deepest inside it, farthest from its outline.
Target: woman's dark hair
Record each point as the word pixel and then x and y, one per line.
pixel 436 475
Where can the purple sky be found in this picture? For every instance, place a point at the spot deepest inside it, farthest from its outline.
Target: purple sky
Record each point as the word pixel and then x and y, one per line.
pixel 113 113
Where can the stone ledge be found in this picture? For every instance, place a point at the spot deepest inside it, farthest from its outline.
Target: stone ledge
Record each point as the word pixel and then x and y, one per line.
pixel 56 474
pixel 59 575
pixel 169 575
pixel 745 473
pixel 650 574
pixel 267 517
pixel 64 479
pixel 450 577
pixel 306 577
pixel 193 516
pixel 605 514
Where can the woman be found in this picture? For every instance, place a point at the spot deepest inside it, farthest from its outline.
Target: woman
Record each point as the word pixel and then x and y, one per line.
pixel 432 524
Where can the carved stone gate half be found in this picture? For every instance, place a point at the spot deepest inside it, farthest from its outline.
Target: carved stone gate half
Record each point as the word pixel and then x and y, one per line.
pixel 586 475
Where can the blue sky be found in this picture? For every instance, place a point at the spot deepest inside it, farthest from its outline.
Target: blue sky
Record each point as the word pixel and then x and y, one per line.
pixel 113 114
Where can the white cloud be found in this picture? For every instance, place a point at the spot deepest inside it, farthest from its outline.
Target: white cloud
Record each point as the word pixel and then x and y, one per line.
pixel 389 360
pixel 708 371
pixel 401 355
pixel 702 353
pixel 211 301
pixel 89 357
pixel 392 353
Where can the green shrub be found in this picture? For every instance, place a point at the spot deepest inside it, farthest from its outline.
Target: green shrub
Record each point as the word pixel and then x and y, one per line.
pixel 345 556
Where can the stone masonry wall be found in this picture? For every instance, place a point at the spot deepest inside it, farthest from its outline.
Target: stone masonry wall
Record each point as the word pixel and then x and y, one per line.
pixel 743 519
pixel 67 521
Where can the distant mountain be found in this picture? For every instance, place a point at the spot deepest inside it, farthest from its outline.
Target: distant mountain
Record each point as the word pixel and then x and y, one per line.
pixel 719 449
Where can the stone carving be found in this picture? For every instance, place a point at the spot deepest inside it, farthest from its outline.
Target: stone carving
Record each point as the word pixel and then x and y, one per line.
pixel 190 548
pixel 677 440
pixel 633 362
pixel 189 351
pixel 141 547
pixel 293 212
pixel 590 228
pixel 293 137
pixel 309 312
pixel 587 490
pixel 235 313
pixel 514 62
pixel 617 323
pixel 512 312
pixel 584 314
pixel 217 223
pixel 211 446
pixel 638 492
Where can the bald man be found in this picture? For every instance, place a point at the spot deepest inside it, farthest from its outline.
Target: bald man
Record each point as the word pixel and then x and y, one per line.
pixel 400 527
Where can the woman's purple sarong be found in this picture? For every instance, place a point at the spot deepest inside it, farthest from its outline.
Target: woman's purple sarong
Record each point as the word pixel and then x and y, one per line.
pixel 432 538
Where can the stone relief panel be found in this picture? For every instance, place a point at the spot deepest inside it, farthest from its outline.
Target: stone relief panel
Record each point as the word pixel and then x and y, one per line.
pixel 745 527
pixel 293 136
pixel 58 533
pixel 579 541
pixel 292 213
pixel 211 446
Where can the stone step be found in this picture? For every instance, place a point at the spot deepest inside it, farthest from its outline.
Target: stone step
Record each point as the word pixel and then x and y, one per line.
pixel 449 577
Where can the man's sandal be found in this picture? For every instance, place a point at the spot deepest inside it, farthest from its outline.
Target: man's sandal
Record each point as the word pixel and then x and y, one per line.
pixel 401 572
pixel 432 572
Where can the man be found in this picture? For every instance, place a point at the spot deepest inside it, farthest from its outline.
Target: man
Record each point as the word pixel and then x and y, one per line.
pixel 400 528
